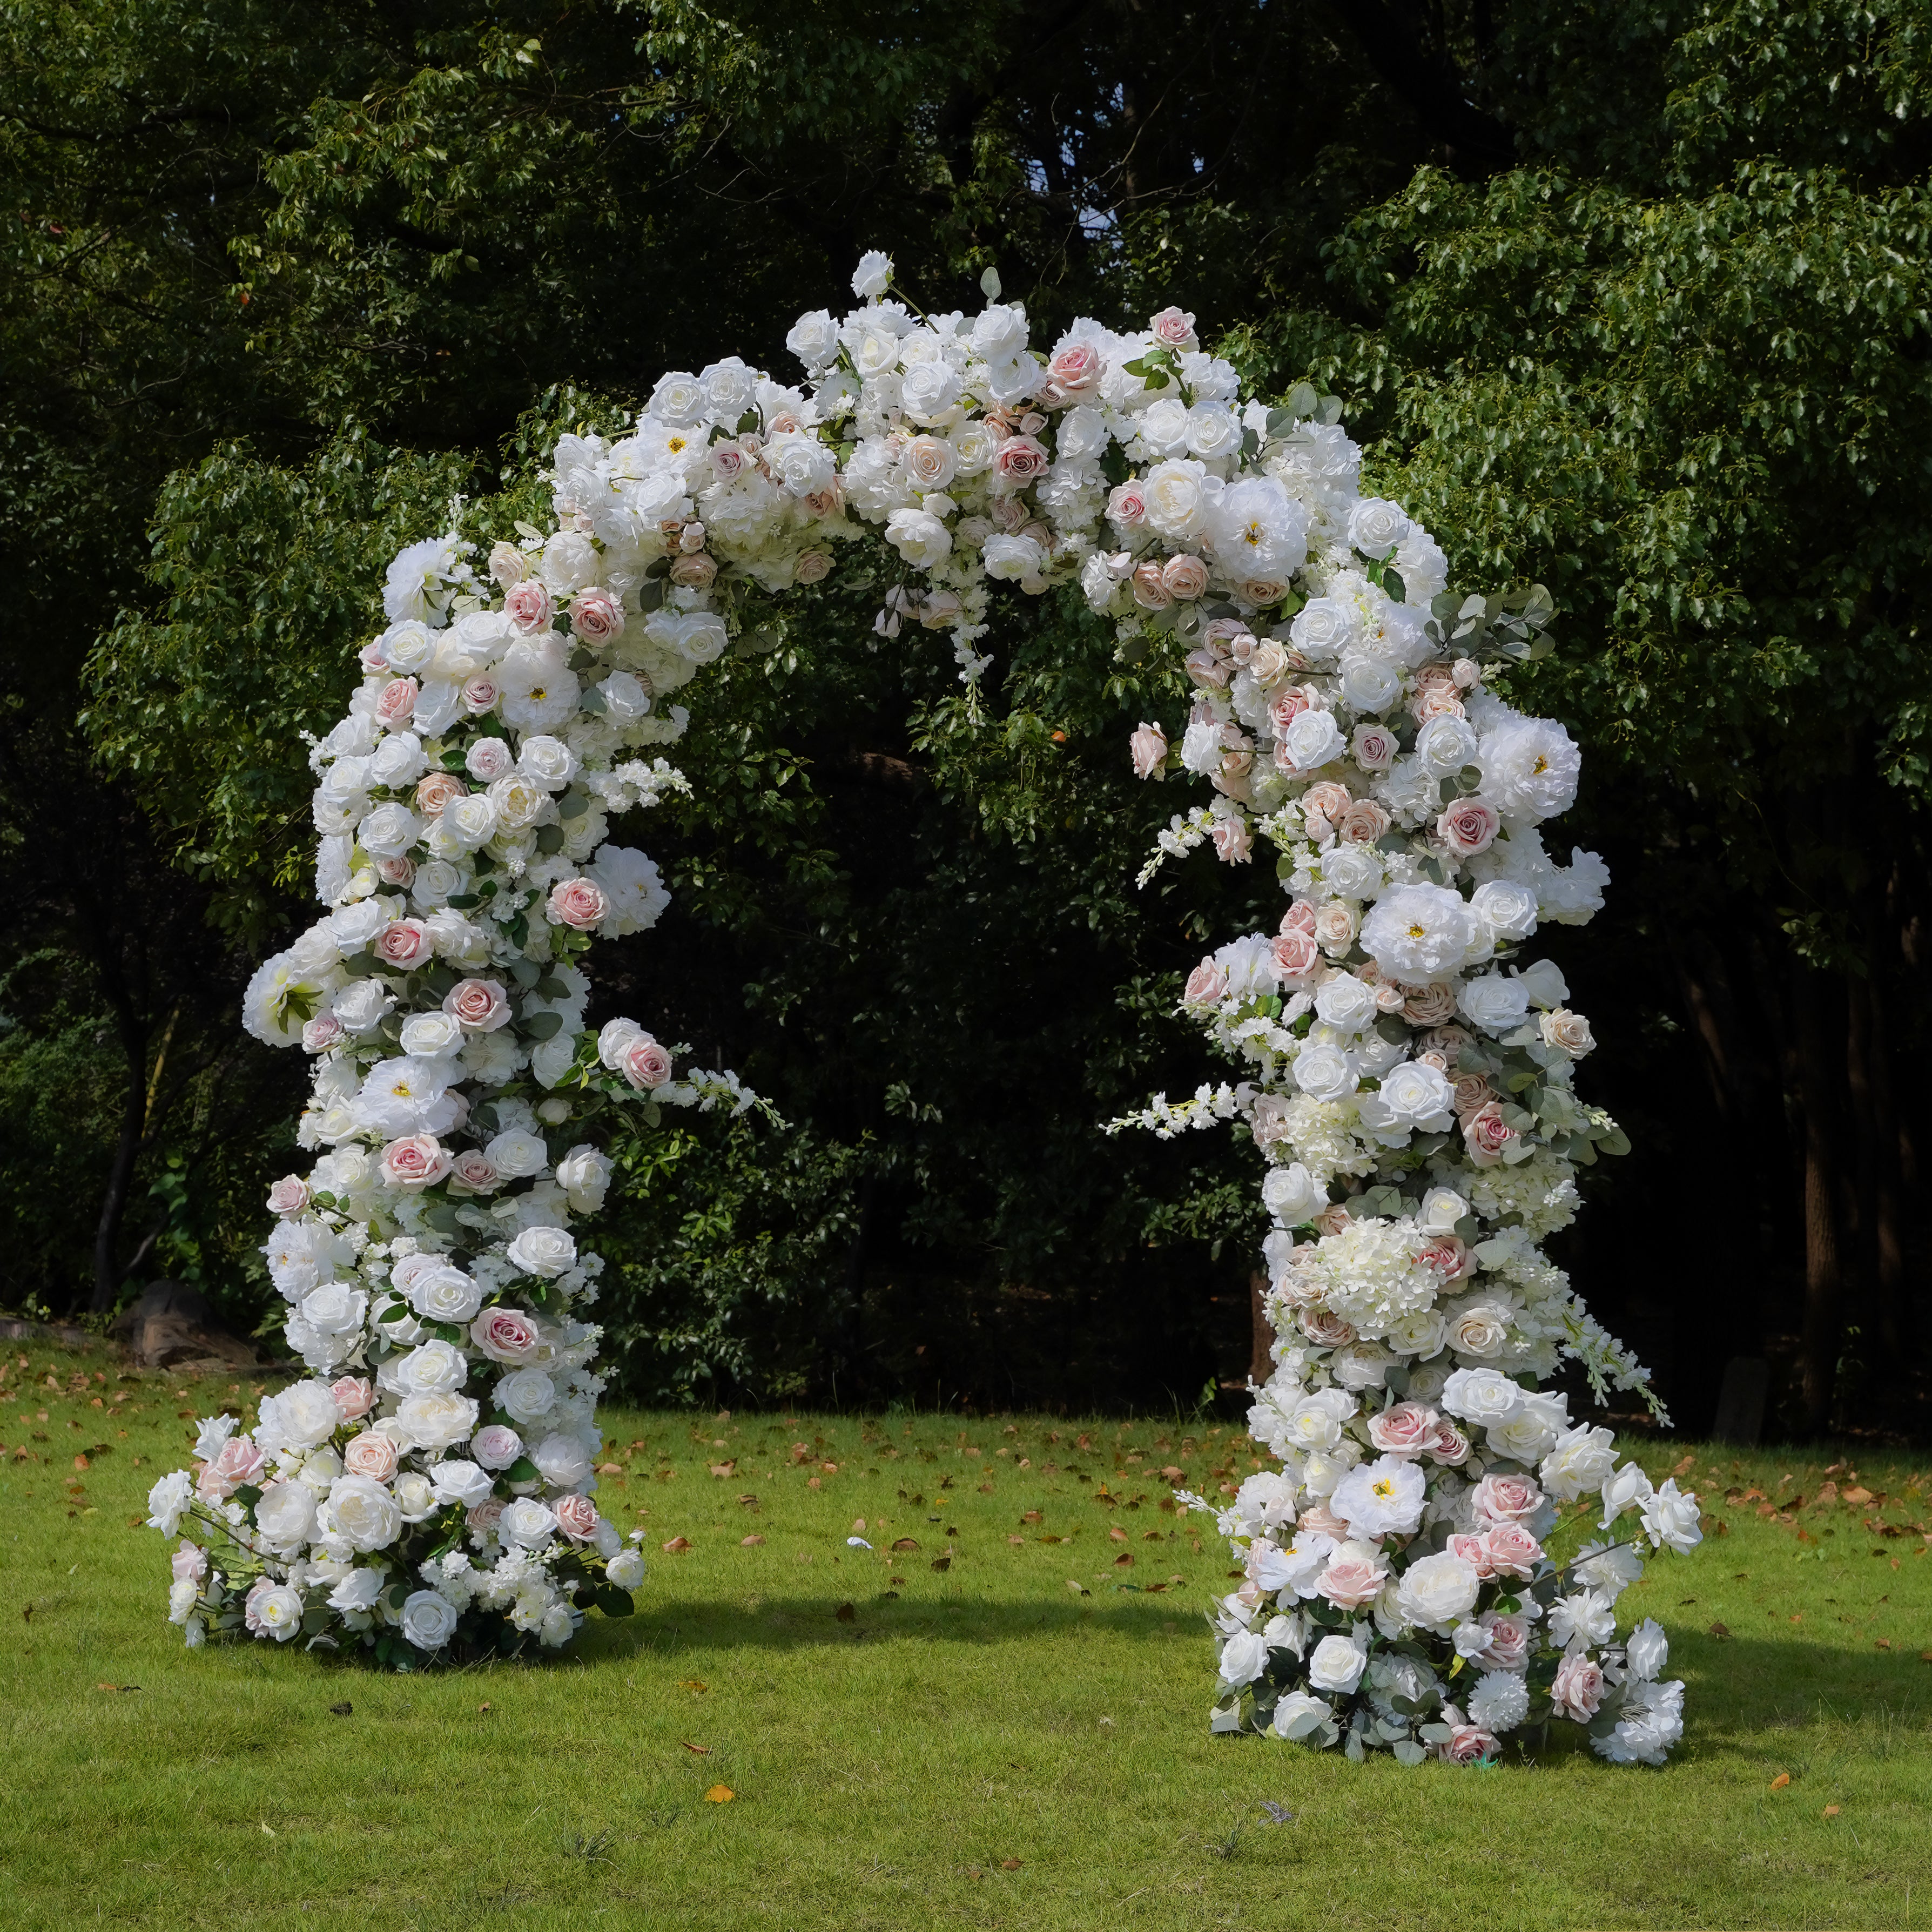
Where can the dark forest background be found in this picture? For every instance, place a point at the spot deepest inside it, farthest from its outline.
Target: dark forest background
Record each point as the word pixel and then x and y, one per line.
pixel 1632 301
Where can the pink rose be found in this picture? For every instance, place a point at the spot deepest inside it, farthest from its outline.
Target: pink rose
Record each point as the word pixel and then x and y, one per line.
pixel 576 1516
pixel 480 694
pixel 322 1032
pixel 1403 1428
pixel 1508 1646
pixel 727 460
pixel 1205 667
pixel 353 1395
pixel 1284 707
pixel 290 1195
pixel 438 789
pixel 1451 1447
pixel 370 1455
pixel 1318 1519
pixel 1232 843
pixel 396 701
pixel 1184 577
pixel 1075 371
pixel 1430 1007
pixel 488 760
pixel 813 566
pixel 1375 747
pixel 1260 591
pixel 238 1462
pixel 1512 1551
pixel 1439 703
pixel 1487 1135
pixel 486 1514
pixel 508 566
pixel 645 1064
pixel 1469 1744
pixel 475 1170
pixel 477 1006
pixel 579 904
pixel 397 872
pixel 1300 917
pixel 1019 460
pixel 596 617
pixel 1471 1093
pixel 1325 1328
pixel 417 1162
pixel 189 1563
pixel 1578 1691
pixel 403 942
pixel 1501 1499
pixel 1468 826
pixel 1475 1552
pixel 528 605
pixel 1126 505
pixel 1296 954
pixel 497 1447
pixel 1174 329
pixel 506 1335
pixel 1335 924
pixel 1448 1256
pixel 1350 1582
pixel 825 503
pixel 1333 1219
pixel 1148 748
pixel 373 657
pixel 694 573
pixel 1207 985
pixel 1363 822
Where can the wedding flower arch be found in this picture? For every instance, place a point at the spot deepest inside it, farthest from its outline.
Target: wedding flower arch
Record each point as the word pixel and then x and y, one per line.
pixel 428 1493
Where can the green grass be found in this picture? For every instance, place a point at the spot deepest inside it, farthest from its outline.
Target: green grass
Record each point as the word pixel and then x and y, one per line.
pixel 989 1747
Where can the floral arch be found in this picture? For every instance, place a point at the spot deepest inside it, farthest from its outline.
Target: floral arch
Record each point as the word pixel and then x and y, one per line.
pixel 428 1491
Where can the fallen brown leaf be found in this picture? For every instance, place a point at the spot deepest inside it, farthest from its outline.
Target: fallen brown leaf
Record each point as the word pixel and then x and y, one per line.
pixel 677 1546
pixel 846 1614
pixel 749 1542
pixel 1126 1556
pixel 719 1794
pixel 1117 1534
pixel 1720 1630
pixel 1011 1864
pixel 942 1563
pixel 721 1470
pixel 1830 1811
pixel 1884 1643
pixel 1684 1468
pixel 1783 1778
pixel 692 1684
pixel 907 1542
pixel 696 1750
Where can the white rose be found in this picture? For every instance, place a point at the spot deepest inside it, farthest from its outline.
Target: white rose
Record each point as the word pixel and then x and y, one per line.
pixel 544 1252
pixel 1177 499
pixel 920 538
pixel 1506 908
pixel 1543 984
pixel 999 333
pixel 517 1153
pixel 1648 1651
pixel 1347 1003
pixel 429 1621
pixel 527 1524
pixel 1291 1195
pixel 1493 1002
pixel 874 275
pixel 1369 684
pixel 305 1415
pixel 1438 1591
pixel 335 1308
pixel 625 1570
pixel 1481 1396
pixel 1670 1520
pixel 1628 1489
pixel 1297 1715
pixel 561 1462
pixel 277 1611
pixel 1444 746
pixel 927 395
pixel 1441 1208
pixel 436 1421
pixel 457 1480
pixel 1244 1658
pixel 1376 526
pixel 584 1175
pixel 1325 1072
pixel 363 1513
pixel 1313 740
pixel 526 1395
pixel 1582 1461
pixel 1414 1098
pixel 430 1034
pixel 285 1514
pixel 814 340
pixel 1527 1436
pixel 436 1368
pixel 444 1294
pixel 1012 559
pixel 414 1496
pixel 1352 871
pixel 1336 1664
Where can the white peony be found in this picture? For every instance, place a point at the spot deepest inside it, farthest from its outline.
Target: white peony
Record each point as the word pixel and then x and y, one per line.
pixel 1437 1592
pixel 1418 934
pixel 1384 1498
pixel 362 1512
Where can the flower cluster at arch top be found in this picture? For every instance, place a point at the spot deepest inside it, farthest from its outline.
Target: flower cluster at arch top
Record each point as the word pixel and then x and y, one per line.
pixel 429 1492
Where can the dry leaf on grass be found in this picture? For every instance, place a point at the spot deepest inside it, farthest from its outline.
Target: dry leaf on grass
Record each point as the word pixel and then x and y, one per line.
pixel 942 1563
pixel 692 1684
pixel 749 1542
pixel 1783 1778
pixel 1830 1811
pixel 719 1794
pixel 846 1614
pixel 677 1546
pixel 696 1750
pixel 1011 1864
pixel 907 1542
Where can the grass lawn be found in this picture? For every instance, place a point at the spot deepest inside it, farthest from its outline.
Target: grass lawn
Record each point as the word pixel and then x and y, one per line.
pixel 1017 1739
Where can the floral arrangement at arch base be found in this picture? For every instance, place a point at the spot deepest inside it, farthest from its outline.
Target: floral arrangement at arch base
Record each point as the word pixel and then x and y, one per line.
pixel 428 1492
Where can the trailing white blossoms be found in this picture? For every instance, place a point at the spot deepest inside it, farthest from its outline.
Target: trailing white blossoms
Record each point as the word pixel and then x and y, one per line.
pixel 1409 1078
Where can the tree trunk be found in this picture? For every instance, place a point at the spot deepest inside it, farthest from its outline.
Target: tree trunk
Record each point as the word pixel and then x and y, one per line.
pixel 1823 1286
pixel 1261 1363
pixel 107 1274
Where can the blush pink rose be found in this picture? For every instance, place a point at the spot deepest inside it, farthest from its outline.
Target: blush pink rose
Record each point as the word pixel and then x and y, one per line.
pixel 1232 841
pixel 1512 1551
pixel 1296 954
pixel 495 1447
pixel 528 605
pixel 486 1515
pixel 1207 985
pixel 480 694
pixel 1205 666
pixel 1325 1328
pixel 506 1335
pixel 1151 591
pixel 1184 577
pixel 596 617
pixel 439 790
pixel 1475 1552
pixel 1403 1428
pixel 403 942
pixel 694 573
pixel 1468 826
pixel 1469 1744
pixel 477 1006
pixel 1430 1006
pixel 1148 748
pixel 645 1064
pixel 1284 707
pixel 415 1162
pixel 371 1455
pixel 813 567
pixel 488 760
pixel 1470 1093
pixel 1020 459
pixel 1174 329
pixel 1300 917
pixel 475 1170
pixel 1451 1447
pixel 579 904
pixel 1318 1519
pixel 576 1517
pixel 1508 1646
pixel 1327 800
pixel 397 872
pixel 189 1564
pixel 353 1395
pixel 1350 1582
pixel 1075 370
pixel 239 1461
pixel 373 656
pixel 396 701
pixel 825 503
pixel 1505 1499
pixel 1578 1691
pixel 290 1195
pixel 1448 1256
pixel 1126 505
pixel 1363 822
pixel 1375 747
pixel 1487 1135
pixel 322 1032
